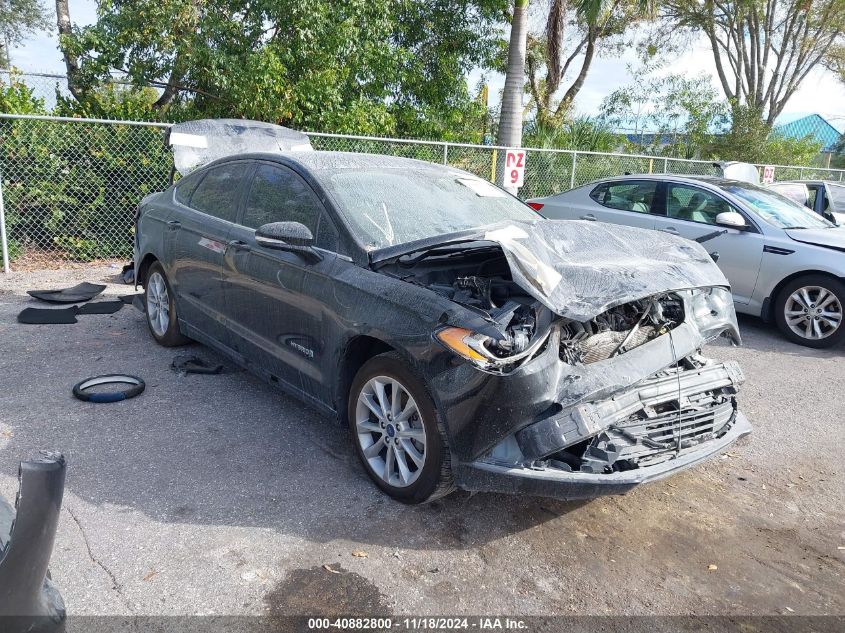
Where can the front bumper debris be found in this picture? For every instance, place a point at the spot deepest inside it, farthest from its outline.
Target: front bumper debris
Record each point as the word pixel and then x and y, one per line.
pixel 28 600
pixel 548 482
pixel 666 423
pixel 582 422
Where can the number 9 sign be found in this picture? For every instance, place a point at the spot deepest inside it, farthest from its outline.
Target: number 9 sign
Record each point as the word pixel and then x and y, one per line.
pixel 514 168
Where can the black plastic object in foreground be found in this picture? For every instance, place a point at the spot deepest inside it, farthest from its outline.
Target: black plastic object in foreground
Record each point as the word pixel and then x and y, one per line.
pixel 80 389
pixel 47 316
pixel 28 600
pixel 77 294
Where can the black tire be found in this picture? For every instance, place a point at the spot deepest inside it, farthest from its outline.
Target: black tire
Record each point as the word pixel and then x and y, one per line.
pixel 170 336
pixel 784 301
pixel 435 476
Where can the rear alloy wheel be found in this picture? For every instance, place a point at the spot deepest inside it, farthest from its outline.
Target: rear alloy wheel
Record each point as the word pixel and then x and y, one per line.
pixel 809 311
pixel 161 309
pixel 396 432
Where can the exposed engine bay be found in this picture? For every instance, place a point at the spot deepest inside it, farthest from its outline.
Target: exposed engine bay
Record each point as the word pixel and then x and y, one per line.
pixel 478 277
pixel 688 400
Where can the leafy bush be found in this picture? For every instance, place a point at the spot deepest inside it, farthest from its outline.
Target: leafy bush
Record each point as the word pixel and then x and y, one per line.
pixel 15 250
pixel 74 187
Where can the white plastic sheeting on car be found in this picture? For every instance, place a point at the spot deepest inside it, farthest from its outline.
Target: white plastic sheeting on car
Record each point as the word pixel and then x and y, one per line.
pixel 196 143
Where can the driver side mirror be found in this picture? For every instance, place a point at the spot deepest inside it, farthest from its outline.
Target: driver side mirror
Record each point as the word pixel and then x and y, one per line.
pixel 732 219
pixel 293 237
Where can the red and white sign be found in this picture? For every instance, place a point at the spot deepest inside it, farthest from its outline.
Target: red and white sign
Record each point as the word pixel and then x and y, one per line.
pixel 514 168
pixel 768 174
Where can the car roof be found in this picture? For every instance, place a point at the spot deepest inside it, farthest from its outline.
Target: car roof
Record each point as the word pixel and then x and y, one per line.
pixel 336 161
pixel 811 182
pixel 715 181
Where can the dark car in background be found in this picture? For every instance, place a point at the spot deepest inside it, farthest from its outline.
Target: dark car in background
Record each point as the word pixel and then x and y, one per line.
pixel 464 340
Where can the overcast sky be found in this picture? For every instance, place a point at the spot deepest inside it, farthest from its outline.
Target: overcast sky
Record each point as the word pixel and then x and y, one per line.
pixel 821 92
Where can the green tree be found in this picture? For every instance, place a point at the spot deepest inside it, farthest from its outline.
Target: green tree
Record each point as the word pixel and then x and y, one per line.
pixel 586 134
pixel 376 66
pixel 747 137
pixel 510 117
pixel 762 49
pixel 18 98
pixel 837 161
pixel 19 18
pixel 688 110
pixel 594 26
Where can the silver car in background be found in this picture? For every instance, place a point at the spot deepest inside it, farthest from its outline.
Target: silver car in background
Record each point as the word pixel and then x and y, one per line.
pixel 825 197
pixel 785 263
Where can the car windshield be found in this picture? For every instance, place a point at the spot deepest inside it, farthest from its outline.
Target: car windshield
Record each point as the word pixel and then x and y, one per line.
pixel 836 193
pixel 386 207
pixel 776 209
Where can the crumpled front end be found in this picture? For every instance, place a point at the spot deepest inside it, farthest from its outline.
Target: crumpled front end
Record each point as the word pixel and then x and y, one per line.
pixel 570 364
pixel 606 404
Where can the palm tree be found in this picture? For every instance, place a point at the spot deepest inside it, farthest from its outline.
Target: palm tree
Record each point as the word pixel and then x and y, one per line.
pixel 510 119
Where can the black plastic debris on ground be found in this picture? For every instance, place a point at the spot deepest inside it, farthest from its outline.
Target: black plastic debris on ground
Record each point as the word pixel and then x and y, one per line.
pixel 190 364
pixel 101 307
pixel 136 300
pixel 42 316
pixel 127 273
pixel 66 316
pixel 77 294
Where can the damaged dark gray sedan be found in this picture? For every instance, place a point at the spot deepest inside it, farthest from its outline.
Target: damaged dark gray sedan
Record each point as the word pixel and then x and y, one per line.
pixel 465 340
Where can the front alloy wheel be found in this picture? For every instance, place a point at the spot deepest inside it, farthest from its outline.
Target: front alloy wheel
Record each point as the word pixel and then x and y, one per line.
pixel 390 431
pixel 397 432
pixel 810 311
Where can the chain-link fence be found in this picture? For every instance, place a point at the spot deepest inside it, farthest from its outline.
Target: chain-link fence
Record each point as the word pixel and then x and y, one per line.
pixel 69 187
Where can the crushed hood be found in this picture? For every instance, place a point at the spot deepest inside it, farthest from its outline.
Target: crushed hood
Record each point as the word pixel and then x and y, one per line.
pixel 196 143
pixel 580 269
pixel 829 238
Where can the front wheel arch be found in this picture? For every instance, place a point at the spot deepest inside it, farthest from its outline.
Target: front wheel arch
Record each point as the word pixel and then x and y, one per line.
pixel 832 284
pixel 769 303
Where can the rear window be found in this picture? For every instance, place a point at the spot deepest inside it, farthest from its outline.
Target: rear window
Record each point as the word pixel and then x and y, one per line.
pixel 836 193
pixel 636 196
pixel 186 186
pixel 217 193
pixel 795 191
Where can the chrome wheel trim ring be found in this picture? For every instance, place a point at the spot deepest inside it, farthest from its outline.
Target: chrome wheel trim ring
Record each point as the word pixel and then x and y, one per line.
pixel 390 431
pixel 813 312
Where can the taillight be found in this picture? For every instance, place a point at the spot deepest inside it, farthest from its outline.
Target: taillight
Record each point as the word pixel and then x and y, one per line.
pixel 536 205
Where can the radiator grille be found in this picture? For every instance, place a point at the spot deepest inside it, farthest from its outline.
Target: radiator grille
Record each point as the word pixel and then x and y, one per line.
pixel 657 438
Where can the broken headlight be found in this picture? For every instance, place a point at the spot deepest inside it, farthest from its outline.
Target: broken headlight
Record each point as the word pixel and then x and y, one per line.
pixel 712 310
pixel 485 352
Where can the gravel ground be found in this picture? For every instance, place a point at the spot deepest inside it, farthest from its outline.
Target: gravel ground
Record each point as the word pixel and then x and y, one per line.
pixel 220 495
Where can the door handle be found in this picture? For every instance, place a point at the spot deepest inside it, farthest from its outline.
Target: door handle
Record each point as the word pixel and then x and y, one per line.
pixel 589 217
pixel 238 245
pixel 174 225
pixel 670 229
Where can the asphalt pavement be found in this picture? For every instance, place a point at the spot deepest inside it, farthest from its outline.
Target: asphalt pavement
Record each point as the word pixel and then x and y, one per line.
pixel 221 495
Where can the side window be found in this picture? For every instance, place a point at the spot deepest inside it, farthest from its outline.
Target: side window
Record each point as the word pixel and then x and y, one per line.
pixel 628 195
pixel 217 193
pixel 186 186
pixel 327 236
pixel 279 195
pixel 814 192
pixel 693 204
